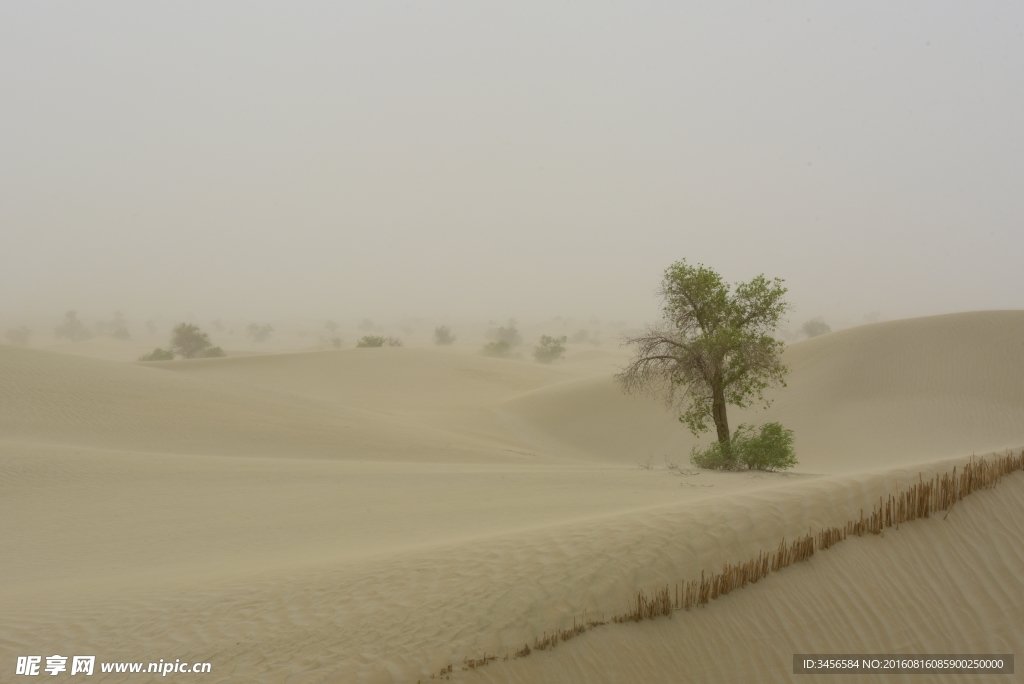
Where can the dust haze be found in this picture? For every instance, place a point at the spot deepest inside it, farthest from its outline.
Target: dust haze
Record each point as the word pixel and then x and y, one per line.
pixel 285 167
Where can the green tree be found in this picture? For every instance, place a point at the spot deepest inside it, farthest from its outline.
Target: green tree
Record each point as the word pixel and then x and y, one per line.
pixel 713 347
pixel 188 340
pixel 550 348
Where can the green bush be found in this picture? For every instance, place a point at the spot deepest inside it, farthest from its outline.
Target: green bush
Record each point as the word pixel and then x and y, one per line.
pixel 159 355
pixel 371 341
pixel 550 348
pixel 501 349
pixel 769 449
pixel 212 353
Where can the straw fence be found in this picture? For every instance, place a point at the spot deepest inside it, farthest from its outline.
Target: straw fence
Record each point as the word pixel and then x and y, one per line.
pixel 920 500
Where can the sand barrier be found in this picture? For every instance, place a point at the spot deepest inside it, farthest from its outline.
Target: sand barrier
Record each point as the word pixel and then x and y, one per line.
pixel 921 500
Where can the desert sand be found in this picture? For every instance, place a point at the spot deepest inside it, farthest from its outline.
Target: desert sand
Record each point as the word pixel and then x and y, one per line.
pixel 374 515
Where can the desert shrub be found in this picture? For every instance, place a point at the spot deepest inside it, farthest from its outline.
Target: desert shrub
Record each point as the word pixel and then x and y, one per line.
pixel 507 334
pixel 716 456
pixel 72 328
pixel 120 333
pixel 501 349
pixel 550 348
pixel 18 335
pixel 393 341
pixel 212 353
pixel 159 354
pixel 259 333
pixel 371 341
pixel 188 340
pixel 771 448
pixel 815 327
pixel 443 335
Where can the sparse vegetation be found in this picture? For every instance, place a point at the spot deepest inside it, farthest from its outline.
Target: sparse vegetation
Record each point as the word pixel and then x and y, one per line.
pixel 814 327
pixel 120 333
pixel 371 341
pixel 19 336
pixel 500 349
pixel 769 449
pixel 159 354
pixel 393 341
pixel 714 347
pixel 188 341
pixel 211 353
pixel 508 334
pixel 550 349
pixel 443 335
pixel 259 333
pixel 72 328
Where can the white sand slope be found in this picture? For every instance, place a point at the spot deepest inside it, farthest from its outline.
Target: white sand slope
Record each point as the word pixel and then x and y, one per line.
pixel 373 515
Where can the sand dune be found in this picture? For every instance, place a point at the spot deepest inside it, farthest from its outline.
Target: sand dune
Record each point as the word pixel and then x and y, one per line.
pixel 373 515
pixel 896 392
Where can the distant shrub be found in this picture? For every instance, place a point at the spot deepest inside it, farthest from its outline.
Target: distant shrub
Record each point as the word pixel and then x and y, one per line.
pixel 259 333
pixel 443 335
pixel 336 342
pixel 211 353
pixel 507 334
pixel 500 349
pixel 393 341
pixel 120 333
pixel 72 328
pixel 159 354
pixel 371 341
pixel 18 335
pixel 550 348
pixel 815 327
pixel 188 340
pixel 769 449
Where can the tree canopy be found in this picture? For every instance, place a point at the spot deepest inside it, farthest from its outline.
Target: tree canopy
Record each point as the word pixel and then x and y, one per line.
pixel 189 341
pixel 713 346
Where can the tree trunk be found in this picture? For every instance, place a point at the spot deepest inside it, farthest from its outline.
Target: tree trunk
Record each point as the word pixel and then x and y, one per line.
pixel 718 412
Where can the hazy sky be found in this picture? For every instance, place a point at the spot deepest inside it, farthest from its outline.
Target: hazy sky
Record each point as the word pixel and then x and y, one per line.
pixel 532 159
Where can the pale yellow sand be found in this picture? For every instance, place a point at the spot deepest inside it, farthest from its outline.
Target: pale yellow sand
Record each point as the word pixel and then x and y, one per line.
pixel 373 515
